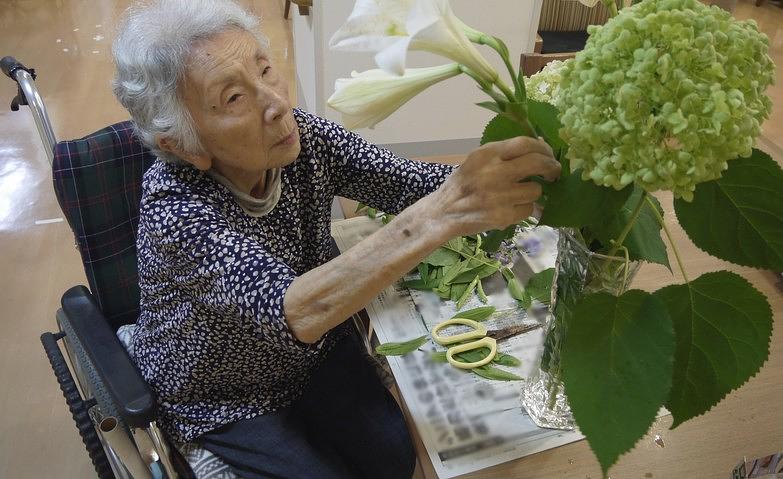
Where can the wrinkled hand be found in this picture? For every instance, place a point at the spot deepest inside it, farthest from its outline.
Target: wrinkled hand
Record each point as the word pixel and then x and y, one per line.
pixel 492 190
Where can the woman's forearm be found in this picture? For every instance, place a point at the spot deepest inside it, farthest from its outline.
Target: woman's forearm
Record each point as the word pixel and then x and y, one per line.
pixel 324 297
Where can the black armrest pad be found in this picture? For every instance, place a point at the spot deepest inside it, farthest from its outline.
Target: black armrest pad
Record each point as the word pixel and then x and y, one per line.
pixel 132 395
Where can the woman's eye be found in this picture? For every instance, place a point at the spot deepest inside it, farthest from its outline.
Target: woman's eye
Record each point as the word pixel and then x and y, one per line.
pixel 266 70
pixel 234 97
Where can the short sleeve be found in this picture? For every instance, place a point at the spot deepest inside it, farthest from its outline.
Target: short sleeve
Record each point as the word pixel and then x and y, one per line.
pixel 375 176
pixel 230 273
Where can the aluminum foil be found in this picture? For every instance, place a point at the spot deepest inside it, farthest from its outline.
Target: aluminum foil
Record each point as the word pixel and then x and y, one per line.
pixel 578 272
pixel 546 408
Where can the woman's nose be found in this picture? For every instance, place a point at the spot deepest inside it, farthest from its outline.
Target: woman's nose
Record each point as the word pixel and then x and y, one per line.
pixel 275 106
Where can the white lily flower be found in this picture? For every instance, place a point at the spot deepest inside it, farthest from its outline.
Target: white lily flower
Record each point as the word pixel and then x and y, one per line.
pixel 393 27
pixel 369 97
pixel 372 26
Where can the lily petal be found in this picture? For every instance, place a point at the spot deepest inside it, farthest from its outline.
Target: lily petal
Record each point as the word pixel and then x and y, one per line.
pixel 393 27
pixel 371 96
pixel 372 25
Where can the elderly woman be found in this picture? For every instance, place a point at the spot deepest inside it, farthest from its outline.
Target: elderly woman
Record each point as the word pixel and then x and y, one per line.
pixel 241 332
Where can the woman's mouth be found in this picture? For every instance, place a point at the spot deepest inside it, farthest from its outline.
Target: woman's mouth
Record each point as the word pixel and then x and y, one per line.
pixel 288 140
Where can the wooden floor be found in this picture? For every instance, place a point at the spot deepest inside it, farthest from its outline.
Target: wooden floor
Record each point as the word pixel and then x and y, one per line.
pixel 68 42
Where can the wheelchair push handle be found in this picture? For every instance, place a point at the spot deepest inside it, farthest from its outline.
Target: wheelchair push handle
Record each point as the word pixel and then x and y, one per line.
pixel 27 94
pixel 9 65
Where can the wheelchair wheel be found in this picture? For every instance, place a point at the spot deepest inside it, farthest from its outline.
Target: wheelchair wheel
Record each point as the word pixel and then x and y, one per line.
pixel 77 406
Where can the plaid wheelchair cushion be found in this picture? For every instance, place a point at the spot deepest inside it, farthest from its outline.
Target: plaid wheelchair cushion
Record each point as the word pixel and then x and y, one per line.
pixel 97 180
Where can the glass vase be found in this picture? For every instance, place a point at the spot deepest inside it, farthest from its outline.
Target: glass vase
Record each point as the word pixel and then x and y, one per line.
pixel 578 272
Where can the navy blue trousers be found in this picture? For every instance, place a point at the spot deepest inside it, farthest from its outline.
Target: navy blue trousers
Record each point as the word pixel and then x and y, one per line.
pixel 346 425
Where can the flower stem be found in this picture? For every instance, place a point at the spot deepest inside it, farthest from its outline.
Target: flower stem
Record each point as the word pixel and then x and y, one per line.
pixel 502 50
pixel 506 90
pixel 620 239
pixel 668 237
pixel 612 6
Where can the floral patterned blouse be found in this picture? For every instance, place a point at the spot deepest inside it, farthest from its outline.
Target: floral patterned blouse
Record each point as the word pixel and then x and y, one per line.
pixel 212 338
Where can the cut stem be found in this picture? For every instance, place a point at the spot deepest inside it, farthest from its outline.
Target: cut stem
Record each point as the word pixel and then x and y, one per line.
pixel 668 237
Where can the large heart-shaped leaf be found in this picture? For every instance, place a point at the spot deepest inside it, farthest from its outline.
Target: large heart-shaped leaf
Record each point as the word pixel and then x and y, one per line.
pixel 739 217
pixel 617 368
pixel 573 202
pixel 500 128
pixel 644 240
pixel 545 118
pixel 723 327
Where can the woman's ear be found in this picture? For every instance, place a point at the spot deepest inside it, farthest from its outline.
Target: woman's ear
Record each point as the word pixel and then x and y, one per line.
pixel 201 161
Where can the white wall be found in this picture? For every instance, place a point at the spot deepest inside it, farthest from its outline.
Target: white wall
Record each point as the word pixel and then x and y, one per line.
pixel 446 113
pixel 304 52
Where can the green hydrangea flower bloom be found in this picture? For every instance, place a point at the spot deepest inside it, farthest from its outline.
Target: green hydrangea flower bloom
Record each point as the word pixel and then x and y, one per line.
pixel 664 95
pixel 545 85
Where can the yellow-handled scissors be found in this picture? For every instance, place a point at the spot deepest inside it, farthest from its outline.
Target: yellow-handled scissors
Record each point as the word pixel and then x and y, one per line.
pixel 483 337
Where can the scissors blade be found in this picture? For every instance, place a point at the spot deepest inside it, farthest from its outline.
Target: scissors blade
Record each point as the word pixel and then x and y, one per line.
pixel 512 331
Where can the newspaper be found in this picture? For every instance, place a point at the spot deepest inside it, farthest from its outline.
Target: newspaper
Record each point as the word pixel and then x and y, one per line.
pixel 467 423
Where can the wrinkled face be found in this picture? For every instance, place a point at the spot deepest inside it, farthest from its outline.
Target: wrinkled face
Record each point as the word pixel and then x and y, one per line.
pixel 239 103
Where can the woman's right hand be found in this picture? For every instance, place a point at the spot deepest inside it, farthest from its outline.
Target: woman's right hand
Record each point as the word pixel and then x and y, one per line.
pixel 491 189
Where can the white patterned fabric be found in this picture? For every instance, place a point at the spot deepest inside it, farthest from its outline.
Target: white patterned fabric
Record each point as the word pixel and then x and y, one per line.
pixel 212 340
pixel 203 463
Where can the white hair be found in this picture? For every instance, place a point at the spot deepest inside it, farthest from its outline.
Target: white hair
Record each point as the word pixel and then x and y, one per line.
pixel 150 51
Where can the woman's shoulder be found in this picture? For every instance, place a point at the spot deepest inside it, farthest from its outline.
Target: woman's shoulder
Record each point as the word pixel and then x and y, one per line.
pixel 171 189
pixel 315 128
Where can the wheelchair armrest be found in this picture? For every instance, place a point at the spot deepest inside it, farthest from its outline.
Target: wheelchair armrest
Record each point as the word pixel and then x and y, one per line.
pixel 131 394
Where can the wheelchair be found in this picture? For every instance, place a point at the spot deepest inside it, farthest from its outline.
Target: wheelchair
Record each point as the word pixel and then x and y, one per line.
pixel 97 181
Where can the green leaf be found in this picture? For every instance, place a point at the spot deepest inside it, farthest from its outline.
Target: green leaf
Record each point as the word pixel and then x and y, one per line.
pixel 360 207
pixel 435 276
pixel 544 117
pixel 457 290
pixel 424 270
pixel 521 94
pixel 439 357
pixel 506 360
pixel 416 284
pixel 493 238
pixel 481 294
pixel 472 355
pixel 482 271
pixel 398 349
pixel 372 212
pixel 573 202
pixel 644 241
pixel 458 245
pixel 442 257
pixel 739 217
pixel 617 368
pixel 539 286
pixel 515 289
pixel 491 106
pixel 467 293
pixel 452 271
pixel 489 372
pixel 500 128
pixel 723 327
pixel 502 45
pixel 476 314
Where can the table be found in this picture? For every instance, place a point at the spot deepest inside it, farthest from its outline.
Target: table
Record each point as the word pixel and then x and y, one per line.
pixel 747 423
